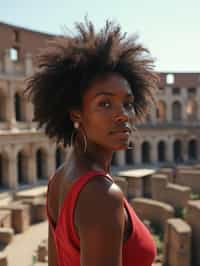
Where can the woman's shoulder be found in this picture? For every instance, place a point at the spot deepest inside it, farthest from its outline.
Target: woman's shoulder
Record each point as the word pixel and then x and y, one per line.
pixel 100 191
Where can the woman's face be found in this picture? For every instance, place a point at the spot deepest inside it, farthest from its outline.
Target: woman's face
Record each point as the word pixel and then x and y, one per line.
pixel 108 112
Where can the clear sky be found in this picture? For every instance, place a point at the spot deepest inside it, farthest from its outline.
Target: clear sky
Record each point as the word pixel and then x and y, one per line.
pixel 170 29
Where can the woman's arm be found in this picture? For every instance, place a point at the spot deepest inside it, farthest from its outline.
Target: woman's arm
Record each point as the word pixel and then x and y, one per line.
pixel 52 258
pixel 100 222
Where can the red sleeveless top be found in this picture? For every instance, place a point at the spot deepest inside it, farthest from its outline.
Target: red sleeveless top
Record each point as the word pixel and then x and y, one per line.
pixel 138 250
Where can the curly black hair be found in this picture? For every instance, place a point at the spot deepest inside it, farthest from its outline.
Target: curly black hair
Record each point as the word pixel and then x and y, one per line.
pixel 68 65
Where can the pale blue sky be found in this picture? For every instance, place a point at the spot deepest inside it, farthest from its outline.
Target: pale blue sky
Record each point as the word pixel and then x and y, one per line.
pixel 170 28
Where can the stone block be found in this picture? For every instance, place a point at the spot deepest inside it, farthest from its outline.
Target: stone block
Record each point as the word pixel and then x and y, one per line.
pixel 37 209
pixel 135 186
pixel 20 218
pixel 6 235
pixel 152 210
pixel 177 243
pixel 5 218
pixel 159 183
pixel 192 217
pixel 177 195
pixel 168 172
pixel 190 178
pixel 3 259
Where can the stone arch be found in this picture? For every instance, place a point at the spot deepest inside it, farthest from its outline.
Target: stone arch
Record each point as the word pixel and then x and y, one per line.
pixel 59 156
pixel 20 107
pixel 161 111
pixel 176 111
pixel 192 110
pixel 192 149
pixel 177 151
pixel 4 164
pixel 22 167
pixel 129 157
pixel 146 152
pixel 41 164
pixel 161 151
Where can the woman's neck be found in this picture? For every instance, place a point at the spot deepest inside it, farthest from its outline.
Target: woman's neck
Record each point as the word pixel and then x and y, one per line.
pixel 94 158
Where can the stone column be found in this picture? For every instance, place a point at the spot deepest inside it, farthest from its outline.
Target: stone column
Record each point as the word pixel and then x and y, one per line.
pixel 169 150
pixel 10 112
pixel 31 171
pixel 120 158
pixel 184 100
pixel 28 64
pixel 8 64
pixel 168 104
pixel 184 113
pixel 169 111
pixel 184 150
pixel 154 152
pixel 12 172
pixel 29 113
pixel 137 157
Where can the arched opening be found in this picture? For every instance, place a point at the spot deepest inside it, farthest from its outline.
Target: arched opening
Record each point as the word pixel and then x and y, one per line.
pixel 18 113
pixel 176 111
pixel 145 152
pixel 22 168
pixel 129 155
pixel 161 111
pixel 3 172
pixel 192 110
pixel 177 151
pixel 192 149
pixel 20 107
pixel 59 156
pixel 161 151
pixel 41 164
pixel 114 159
pixel 2 108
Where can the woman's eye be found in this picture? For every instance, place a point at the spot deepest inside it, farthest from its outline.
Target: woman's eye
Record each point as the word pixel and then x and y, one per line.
pixel 105 104
pixel 129 105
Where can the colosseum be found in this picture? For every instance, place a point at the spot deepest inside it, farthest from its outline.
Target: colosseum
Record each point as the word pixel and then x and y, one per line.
pixel 169 135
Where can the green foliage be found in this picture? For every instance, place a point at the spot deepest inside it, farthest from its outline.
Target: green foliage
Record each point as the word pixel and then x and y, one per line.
pixel 179 212
pixel 195 196
pixel 157 229
pixel 158 236
pixel 159 244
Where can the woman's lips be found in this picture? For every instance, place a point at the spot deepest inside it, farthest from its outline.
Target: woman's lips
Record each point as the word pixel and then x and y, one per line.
pixel 121 134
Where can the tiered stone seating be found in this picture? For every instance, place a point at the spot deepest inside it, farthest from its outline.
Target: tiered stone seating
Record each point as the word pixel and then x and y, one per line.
pixel 152 210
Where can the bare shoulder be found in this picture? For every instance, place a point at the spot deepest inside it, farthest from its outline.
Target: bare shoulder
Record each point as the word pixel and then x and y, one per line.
pixel 99 191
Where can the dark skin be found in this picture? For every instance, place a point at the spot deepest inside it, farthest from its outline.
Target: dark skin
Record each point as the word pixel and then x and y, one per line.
pixel 101 220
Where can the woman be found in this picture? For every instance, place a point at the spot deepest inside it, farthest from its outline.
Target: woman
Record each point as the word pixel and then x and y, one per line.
pixel 88 91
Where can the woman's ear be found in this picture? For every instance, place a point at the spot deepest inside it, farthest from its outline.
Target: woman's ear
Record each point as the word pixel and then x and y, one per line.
pixel 75 116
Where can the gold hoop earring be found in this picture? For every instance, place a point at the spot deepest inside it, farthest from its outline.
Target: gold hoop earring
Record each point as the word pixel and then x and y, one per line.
pixel 74 133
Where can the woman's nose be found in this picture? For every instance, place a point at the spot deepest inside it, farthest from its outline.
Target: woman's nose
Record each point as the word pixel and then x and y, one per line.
pixel 121 115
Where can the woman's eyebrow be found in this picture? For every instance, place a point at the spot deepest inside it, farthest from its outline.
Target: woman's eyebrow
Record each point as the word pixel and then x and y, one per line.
pixel 112 94
pixel 104 93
